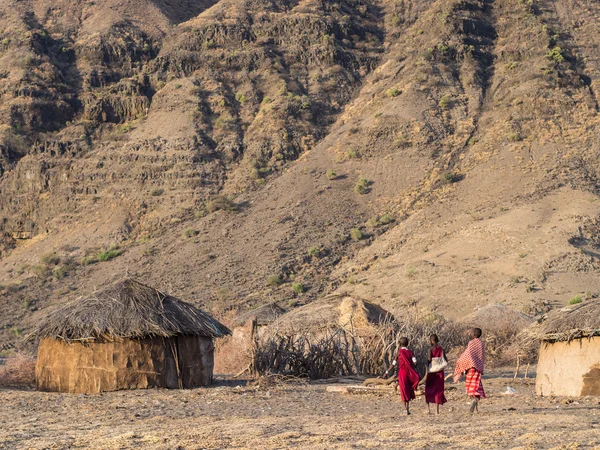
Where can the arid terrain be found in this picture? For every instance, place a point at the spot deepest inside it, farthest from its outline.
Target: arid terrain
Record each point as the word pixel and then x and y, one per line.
pixel 236 153
pixel 233 415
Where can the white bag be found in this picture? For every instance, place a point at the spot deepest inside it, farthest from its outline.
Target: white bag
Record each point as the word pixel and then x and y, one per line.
pixel 437 364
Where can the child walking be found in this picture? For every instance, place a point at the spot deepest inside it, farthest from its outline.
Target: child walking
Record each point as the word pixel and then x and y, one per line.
pixel 434 383
pixel 470 363
pixel 408 378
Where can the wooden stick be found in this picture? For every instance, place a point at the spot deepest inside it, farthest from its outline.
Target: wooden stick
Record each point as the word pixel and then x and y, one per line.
pixel 527 370
pixel 518 367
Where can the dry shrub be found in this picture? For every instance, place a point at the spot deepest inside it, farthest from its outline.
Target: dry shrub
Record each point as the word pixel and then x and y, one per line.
pixel 231 355
pixel 342 351
pixel 17 370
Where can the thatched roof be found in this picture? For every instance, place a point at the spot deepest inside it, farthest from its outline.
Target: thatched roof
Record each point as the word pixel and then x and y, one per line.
pixel 497 317
pixel 329 313
pixel 572 322
pixel 264 315
pixel 128 309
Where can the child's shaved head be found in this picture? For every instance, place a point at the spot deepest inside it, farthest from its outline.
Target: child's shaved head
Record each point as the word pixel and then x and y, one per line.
pixel 477 332
pixel 404 342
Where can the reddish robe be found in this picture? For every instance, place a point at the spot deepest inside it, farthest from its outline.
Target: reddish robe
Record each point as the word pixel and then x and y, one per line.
pixel 434 383
pixel 408 378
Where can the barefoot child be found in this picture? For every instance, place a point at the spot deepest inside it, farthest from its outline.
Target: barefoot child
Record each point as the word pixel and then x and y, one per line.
pixel 408 378
pixel 434 383
pixel 471 364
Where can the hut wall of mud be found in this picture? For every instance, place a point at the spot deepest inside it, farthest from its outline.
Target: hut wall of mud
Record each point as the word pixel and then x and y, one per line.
pixel 569 368
pixel 94 367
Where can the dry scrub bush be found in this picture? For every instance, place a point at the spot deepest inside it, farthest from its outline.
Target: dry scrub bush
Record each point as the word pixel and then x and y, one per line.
pixel 342 351
pixel 18 370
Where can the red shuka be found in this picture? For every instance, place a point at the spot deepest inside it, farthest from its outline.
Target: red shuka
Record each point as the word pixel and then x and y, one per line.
pixel 408 378
pixel 434 383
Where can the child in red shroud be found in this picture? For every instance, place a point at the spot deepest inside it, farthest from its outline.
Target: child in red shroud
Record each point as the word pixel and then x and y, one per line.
pixel 408 378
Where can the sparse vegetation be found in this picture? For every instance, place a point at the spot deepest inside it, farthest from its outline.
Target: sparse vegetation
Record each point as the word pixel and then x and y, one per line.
pixel 445 101
pixel 515 137
pixel 575 300
pixel 393 92
pixel 221 203
pixel 453 177
pixel 190 232
pixel 356 234
pixel 411 271
pixel 314 252
pixel 157 192
pixel 50 259
pixel 298 288
pixel 59 272
pixel 556 55
pixel 331 174
pixel 108 255
pixel 274 280
pixel 352 154
pixel 362 186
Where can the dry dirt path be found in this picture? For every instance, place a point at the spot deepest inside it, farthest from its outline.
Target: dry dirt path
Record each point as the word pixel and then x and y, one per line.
pixel 292 416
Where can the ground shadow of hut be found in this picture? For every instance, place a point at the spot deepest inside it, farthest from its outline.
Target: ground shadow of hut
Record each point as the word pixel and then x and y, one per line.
pixel 126 336
pixel 569 354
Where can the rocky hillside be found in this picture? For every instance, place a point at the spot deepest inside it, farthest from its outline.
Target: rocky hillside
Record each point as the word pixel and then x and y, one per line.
pixel 234 153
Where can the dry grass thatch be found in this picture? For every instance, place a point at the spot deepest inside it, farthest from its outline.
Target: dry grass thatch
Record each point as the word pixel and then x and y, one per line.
pixel 128 309
pixel 329 314
pixel 573 322
pixel 264 315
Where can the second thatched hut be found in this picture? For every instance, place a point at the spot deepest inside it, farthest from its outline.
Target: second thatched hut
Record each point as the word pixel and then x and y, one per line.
pixel 127 336
pixel 569 358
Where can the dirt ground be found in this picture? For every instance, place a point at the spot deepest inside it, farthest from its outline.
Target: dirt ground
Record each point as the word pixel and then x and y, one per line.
pixel 241 415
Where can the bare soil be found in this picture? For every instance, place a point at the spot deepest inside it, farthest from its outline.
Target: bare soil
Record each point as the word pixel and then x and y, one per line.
pixel 241 415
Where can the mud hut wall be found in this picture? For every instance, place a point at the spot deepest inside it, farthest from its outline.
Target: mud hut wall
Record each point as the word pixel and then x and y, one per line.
pixel 196 360
pixel 125 364
pixel 569 368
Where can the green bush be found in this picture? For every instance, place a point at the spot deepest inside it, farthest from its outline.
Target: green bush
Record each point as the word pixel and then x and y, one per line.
pixel 41 271
pixel 411 271
pixel 393 92
pixel 353 154
pixel 445 101
pixel 556 55
pixel 274 280
pixel 190 232
pixel 222 203
pixel 58 272
pixel 50 259
pixel 514 137
pixel 356 234
pixel 331 175
pixel 108 255
pixel 453 177
pixel 575 300
pixel 298 288
pixel 362 186
pixel 315 252
pixel 386 219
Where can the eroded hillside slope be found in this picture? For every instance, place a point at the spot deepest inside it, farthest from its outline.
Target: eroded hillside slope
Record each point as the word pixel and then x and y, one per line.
pixel 444 153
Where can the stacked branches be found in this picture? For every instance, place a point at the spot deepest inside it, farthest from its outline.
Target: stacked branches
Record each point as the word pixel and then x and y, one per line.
pixel 342 351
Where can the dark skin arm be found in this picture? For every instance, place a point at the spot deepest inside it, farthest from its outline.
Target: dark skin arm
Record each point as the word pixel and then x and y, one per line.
pixel 429 354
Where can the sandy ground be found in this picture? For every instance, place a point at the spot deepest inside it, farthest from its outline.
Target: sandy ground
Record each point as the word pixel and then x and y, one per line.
pixel 293 415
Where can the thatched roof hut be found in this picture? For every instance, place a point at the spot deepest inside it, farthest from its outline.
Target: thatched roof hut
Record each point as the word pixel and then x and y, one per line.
pixel 128 335
pixel 263 315
pixel 329 313
pixel 569 358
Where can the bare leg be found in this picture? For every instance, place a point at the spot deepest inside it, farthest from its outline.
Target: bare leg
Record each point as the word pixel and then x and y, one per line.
pixel 428 408
pixel 473 404
pixel 407 408
pixel 437 408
